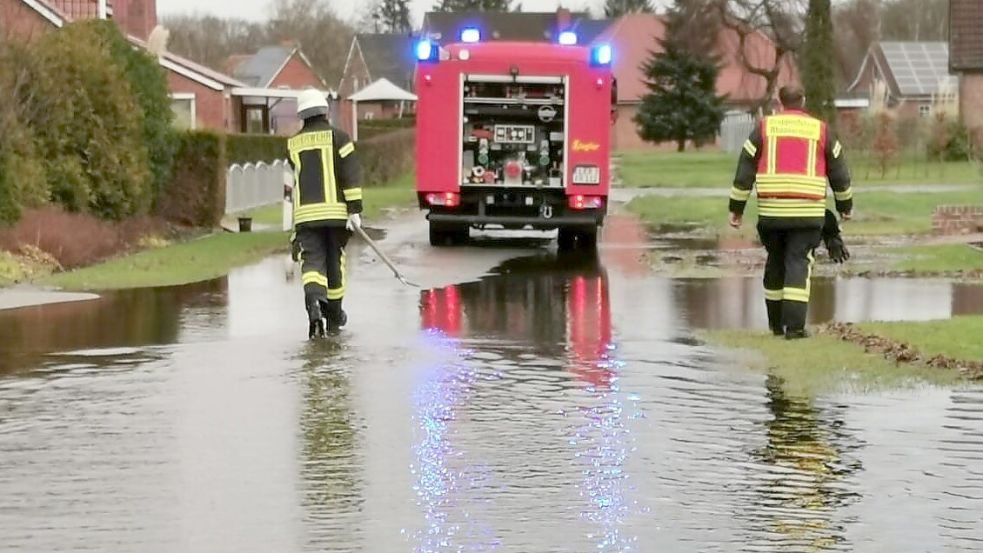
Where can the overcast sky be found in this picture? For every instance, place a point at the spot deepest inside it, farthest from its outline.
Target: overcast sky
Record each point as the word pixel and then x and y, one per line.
pixel 257 9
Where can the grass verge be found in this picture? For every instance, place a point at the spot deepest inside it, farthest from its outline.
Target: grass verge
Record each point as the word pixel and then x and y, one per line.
pixel 877 213
pixel 201 259
pixel 958 338
pixel 954 258
pixel 824 364
pixel 716 170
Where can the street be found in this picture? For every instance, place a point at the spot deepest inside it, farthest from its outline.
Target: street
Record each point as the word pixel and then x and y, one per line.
pixel 521 402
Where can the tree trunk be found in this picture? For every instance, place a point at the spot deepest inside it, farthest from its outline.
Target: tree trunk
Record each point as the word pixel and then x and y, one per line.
pixel 681 145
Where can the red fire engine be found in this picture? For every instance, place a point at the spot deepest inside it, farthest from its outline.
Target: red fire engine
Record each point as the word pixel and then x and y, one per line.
pixel 513 135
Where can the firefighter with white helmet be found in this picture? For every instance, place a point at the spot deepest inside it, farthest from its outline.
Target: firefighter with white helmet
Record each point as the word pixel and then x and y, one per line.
pixel 327 208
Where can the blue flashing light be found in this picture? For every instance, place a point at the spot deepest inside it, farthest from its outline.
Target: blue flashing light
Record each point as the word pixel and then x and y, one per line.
pixel 426 50
pixel 470 35
pixel 568 38
pixel 601 55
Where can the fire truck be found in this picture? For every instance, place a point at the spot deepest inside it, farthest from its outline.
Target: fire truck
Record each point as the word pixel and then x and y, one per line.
pixel 513 135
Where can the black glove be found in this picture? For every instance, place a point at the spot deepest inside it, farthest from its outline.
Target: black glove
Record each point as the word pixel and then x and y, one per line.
pixel 294 248
pixel 837 249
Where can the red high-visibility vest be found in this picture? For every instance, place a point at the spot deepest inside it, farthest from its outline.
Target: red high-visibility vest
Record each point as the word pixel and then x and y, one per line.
pixel 791 180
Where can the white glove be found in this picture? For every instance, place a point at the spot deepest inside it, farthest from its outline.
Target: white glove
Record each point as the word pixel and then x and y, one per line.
pixel 354 222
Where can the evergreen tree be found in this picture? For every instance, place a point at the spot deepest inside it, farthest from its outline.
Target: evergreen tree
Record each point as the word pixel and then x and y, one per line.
pixel 617 8
pixel 473 6
pixel 682 104
pixel 818 62
pixel 393 16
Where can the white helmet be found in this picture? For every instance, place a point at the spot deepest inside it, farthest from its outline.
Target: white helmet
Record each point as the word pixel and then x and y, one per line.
pixel 311 103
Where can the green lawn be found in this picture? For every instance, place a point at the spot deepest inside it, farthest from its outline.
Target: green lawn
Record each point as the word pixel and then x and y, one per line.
pixel 11 270
pixel 877 213
pixel 201 259
pixel 716 170
pixel 824 364
pixel 941 259
pixel 958 338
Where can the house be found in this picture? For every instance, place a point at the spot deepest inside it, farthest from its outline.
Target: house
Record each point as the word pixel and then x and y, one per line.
pixel 202 97
pixel 966 59
pixel 384 61
pixel 914 73
pixel 634 38
pixel 282 67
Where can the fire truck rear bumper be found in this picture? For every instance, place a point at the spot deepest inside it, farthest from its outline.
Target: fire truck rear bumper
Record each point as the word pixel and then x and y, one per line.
pixel 565 220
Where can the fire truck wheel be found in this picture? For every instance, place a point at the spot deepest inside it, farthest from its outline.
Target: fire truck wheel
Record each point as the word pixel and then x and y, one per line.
pixel 569 239
pixel 566 239
pixel 446 235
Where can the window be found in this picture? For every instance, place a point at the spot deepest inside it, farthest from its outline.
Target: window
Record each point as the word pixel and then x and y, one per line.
pixel 925 110
pixel 183 106
pixel 256 120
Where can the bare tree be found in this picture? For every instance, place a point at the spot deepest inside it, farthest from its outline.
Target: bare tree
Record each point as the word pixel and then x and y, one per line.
pixel 780 21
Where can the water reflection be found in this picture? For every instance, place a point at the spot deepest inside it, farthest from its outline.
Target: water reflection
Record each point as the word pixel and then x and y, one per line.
pixel 739 302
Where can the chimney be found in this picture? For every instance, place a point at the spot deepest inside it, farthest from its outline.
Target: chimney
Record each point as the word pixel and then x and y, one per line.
pixel 563 19
pixel 136 17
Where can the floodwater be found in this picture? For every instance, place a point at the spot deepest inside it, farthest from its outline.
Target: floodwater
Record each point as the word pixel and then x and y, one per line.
pixel 554 405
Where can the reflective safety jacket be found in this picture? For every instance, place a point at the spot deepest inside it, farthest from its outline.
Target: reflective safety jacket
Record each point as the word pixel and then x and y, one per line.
pixel 326 188
pixel 790 158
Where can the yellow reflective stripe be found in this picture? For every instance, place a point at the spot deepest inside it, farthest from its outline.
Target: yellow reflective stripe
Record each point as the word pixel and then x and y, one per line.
pixel 739 195
pixel 750 148
pixel 353 194
pixel 774 295
pixel 346 150
pixel 772 155
pixel 843 196
pixel 796 294
pixel 310 141
pixel 801 188
pixel 793 126
pixel 811 167
pixel 790 178
pixel 339 293
pixel 320 212
pixel 314 277
pixel 837 150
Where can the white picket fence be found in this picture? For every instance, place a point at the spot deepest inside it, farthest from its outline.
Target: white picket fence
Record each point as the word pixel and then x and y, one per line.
pixel 735 129
pixel 255 185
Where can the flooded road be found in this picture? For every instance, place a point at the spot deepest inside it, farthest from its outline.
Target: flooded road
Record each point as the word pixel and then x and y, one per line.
pixel 551 405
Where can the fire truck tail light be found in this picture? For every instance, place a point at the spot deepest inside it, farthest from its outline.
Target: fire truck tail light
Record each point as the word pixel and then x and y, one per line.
pixel 601 55
pixel 581 202
pixel 445 199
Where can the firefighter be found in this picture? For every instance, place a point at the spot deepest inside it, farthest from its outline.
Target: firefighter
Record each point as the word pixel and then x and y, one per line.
pixel 789 159
pixel 327 208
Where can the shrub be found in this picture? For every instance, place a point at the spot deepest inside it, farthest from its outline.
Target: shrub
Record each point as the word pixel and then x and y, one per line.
pixel 22 178
pixel 252 148
pixel 195 195
pixel 386 157
pixel 951 141
pixel 148 83
pixel 88 126
pixel 75 239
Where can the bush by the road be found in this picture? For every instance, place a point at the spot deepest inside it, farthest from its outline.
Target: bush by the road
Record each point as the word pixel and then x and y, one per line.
pixel 148 84
pixel 195 195
pixel 88 126
pixel 386 157
pixel 22 178
pixel 253 148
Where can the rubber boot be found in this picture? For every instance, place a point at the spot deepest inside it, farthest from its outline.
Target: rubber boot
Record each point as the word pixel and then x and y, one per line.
pixel 335 316
pixel 315 328
pixel 775 318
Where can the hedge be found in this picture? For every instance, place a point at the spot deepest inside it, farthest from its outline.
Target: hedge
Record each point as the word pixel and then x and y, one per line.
pixel 196 194
pixel 253 148
pixel 386 157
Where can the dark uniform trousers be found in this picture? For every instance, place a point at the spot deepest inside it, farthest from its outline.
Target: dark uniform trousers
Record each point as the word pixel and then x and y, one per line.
pixel 788 272
pixel 322 254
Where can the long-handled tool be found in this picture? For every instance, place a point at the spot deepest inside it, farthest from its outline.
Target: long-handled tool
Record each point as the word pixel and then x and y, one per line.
pixel 384 258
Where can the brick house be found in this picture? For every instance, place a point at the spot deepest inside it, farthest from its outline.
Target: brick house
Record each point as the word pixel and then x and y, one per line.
pixel 202 97
pixel 280 68
pixel 914 73
pixel 966 59
pixel 634 38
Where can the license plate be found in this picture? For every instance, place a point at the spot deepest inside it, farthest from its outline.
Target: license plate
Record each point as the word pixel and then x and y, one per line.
pixel 587 174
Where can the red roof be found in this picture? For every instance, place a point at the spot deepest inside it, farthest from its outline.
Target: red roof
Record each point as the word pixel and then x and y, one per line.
pixel 76 9
pixel 634 38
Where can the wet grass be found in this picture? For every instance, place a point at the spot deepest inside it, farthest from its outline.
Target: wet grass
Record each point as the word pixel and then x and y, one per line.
pixel 197 260
pixel 877 213
pixel 958 338
pixel 11 270
pixel 716 170
pixel 941 259
pixel 823 364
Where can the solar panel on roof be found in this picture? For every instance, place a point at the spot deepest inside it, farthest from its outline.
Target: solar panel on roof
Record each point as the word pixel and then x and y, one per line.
pixel 918 67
